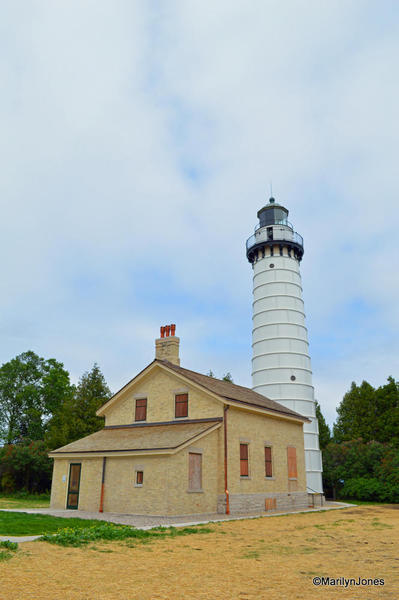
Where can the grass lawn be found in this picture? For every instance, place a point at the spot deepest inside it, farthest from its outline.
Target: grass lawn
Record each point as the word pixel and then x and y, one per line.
pixel 273 558
pixel 25 501
pixel 30 524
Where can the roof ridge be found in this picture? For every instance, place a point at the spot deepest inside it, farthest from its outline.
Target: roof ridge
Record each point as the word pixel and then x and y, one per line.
pixel 227 386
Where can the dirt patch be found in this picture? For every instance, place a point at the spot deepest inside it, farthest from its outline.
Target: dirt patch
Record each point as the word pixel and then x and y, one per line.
pixel 273 558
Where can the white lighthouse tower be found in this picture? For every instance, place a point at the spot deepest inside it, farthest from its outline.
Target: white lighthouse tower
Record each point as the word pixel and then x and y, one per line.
pixel 281 367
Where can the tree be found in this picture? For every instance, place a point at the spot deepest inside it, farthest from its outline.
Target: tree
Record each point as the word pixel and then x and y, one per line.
pixel 31 390
pixel 25 465
pixel 386 426
pixel 228 377
pixel 356 414
pixel 369 414
pixel 362 470
pixel 77 417
pixel 324 430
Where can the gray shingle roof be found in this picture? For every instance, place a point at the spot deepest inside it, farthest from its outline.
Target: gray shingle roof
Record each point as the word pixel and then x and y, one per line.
pixel 144 437
pixel 231 391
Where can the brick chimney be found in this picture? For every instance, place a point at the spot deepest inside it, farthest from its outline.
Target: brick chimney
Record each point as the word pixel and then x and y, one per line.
pixel 167 346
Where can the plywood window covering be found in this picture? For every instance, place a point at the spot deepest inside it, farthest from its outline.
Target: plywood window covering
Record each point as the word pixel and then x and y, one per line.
pixel 194 471
pixel 268 462
pixel 292 468
pixel 141 409
pixel 139 477
pixel 244 460
pixel 181 405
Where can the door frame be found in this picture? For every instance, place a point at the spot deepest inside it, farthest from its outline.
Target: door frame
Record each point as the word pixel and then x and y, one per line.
pixel 69 483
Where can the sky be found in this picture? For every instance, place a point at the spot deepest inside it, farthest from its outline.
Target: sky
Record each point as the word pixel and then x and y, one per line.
pixel 138 141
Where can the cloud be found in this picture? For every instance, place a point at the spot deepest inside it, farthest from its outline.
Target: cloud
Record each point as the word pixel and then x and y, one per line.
pixel 138 142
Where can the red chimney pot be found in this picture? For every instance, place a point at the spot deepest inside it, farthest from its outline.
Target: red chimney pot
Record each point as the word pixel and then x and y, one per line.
pixel 167 330
pixel 173 329
pixel 162 332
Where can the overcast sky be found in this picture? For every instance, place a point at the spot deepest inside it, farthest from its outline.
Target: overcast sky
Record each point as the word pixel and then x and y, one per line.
pixel 138 140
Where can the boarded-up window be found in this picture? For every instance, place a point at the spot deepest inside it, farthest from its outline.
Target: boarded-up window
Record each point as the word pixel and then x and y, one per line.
pixel 181 405
pixel 194 471
pixel 244 460
pixel 139 477
pixel 268 462
pixel 141 410
pixel 291 457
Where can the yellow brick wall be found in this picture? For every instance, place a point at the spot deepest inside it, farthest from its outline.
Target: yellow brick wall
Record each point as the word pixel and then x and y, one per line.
pixel 258 431
pixel 59 487
pixel 160 387
pixel 90 483
pixel 121 494
pixel 180 500
pixel 165 482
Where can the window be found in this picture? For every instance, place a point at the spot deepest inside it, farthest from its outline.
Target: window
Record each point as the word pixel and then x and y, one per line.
pixel 268 462
pixel 291 458
pixel 244 460
pixel 194 472
pixel 181 405
pixel 141 410
pixel 139 477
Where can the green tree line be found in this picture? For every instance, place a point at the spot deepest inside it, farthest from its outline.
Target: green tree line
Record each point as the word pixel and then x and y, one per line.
pixel 40 409
pixel 361 454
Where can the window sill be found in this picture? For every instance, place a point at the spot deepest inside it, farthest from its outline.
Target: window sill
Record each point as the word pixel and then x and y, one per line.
pixel 244 477
pixel 270 478
pixel 138 485
pixel 195 492
pixel 292 478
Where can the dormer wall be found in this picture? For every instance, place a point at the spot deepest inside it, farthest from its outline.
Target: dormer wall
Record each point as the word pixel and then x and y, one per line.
pixel 160 389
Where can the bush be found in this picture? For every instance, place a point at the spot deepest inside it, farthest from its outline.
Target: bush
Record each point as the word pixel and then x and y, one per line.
pixel 9 548
pixel 109 531
pixel 25 466
pixel 103 531
pixel 13 546
pixel 7 483
pixel 364 488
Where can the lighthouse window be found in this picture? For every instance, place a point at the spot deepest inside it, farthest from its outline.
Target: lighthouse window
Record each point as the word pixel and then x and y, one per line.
pixel 293 377
pixel 271 265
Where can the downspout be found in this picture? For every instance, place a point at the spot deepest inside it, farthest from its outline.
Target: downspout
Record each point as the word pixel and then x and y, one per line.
pixel 226 491
pixel 102 487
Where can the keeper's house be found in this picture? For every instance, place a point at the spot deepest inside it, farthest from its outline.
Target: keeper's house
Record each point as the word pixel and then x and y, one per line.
pixel 177 442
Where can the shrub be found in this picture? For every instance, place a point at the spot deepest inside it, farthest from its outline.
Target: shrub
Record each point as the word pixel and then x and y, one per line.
pixel 25 466
pixel 9 548
pixel 364 488
pixel 109 531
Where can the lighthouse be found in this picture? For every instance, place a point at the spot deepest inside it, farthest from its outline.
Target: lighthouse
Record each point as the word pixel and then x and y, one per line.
pixel 281 368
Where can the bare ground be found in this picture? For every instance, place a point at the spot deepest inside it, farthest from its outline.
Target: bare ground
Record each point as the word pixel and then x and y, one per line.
pixel 273 558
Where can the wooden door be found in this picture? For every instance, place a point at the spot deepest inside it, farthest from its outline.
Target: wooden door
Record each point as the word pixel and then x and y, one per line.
pixel 73 485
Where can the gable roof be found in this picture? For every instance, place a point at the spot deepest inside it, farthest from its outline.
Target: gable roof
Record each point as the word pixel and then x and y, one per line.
pixel 231 391
pixel 223 389
pixel 160 438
